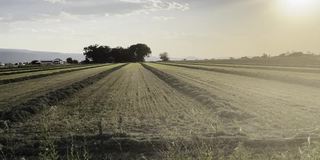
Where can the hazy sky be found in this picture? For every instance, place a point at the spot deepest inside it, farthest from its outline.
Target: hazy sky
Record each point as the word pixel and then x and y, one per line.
pixel 201 28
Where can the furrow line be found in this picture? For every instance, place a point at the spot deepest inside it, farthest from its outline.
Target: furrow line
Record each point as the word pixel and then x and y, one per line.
pixel 35 105
pixel 200 95
pixel 37 70
pixel 248 74
pixel 6 81
pixel 261 67
pixel 197 93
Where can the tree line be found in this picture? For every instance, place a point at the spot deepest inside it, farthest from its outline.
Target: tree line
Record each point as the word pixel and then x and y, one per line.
pixel 105 54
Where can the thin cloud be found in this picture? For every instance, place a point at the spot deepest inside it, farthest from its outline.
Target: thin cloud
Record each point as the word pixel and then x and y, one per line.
pixel 26 10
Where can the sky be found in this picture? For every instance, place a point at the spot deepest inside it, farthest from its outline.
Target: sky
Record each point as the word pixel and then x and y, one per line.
pixel 183 28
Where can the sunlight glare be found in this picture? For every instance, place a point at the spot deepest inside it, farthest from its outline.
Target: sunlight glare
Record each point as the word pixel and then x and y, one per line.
pixel 298 7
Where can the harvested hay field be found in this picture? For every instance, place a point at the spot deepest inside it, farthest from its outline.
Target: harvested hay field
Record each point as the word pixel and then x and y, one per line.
pixel 162 111
pixel 5 79
pixel 33 69
pixel 15 93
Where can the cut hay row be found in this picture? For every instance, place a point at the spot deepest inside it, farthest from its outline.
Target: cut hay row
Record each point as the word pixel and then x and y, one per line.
pixel 260 67
pixel 15 76
pixel 224 110
pixel 16 93
pixel 24 111
pixel 201 95
pixel 136 113
pixel 20 77
pixel 131 104
pixel 276 109
pixel 130 101
pixel 17 69
pixel 306 79
pixel 39 69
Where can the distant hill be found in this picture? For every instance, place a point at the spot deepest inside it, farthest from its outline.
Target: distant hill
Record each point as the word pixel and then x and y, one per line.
pixel 20 55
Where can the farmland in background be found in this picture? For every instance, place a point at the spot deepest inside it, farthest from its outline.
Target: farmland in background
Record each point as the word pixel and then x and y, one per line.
pixel 173 110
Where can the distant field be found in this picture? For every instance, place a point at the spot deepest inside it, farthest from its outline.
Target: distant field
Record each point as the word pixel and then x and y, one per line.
pixel 17 77
pixel 151 107
pixel 302 76
pixel 314 69
pixel 33 69
pixel 25 68
pixel 15 93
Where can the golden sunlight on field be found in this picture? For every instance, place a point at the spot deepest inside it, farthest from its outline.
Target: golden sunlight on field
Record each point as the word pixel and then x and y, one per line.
pixel 160 79
pixel 298 7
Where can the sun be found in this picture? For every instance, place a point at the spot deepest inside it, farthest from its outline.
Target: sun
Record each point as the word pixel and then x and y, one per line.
pixel 298 7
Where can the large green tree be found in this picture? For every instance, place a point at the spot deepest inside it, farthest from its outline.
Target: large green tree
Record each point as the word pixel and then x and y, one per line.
pixel 105 54
pixel 140 51
pixel 97 54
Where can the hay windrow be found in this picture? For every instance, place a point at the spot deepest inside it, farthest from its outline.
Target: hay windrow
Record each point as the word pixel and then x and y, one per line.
pixel 6 81
pixel 260 67
pixel 200 95
pixel 249 74
pixel 2 73
pixel 35 105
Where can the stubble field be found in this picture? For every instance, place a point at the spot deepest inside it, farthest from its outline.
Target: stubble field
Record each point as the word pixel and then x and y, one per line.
pixel 161 111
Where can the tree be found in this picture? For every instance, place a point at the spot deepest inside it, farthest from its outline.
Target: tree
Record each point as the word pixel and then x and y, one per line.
pixel 72 61
pixel 35 62
pixel 97 54
pixel 164 56
pixel 75 61
pixel 69 60
pixel 105 54
pixel 139 52
pixel 86 61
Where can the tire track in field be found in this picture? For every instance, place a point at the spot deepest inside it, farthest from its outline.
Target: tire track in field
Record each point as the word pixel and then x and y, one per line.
pixel 35 105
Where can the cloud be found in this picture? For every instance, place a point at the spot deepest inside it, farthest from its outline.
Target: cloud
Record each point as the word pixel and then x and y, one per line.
pixel 163 18
pixel 56 1
pixel 26 10
pixel 155 5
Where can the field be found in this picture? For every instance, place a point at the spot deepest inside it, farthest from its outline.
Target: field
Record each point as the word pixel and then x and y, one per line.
pixel 160 111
